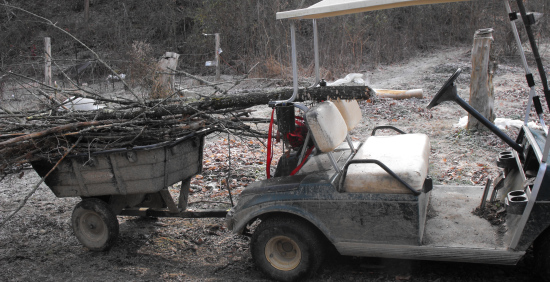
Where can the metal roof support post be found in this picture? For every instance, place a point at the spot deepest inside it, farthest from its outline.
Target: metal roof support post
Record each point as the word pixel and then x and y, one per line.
pixel 294 63
pixel 316 50
pixel 524 61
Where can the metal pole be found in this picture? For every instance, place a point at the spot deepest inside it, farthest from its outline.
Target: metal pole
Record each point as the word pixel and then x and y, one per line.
pixel 524 61
pixel 316 50
pixel 294 61
pixel 534 49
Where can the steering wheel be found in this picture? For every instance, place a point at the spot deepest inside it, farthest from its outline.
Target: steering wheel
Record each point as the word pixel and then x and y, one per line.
pixel 440 96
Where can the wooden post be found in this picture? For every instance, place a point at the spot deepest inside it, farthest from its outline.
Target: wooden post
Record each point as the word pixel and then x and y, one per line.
pixel 47 61
pixel 481 83
pixel 217 36
pixel 86 10
pixel 168 65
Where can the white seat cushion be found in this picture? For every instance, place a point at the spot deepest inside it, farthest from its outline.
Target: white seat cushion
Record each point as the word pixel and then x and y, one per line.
pixel 407 155
pixel 350 111
pixel 327 126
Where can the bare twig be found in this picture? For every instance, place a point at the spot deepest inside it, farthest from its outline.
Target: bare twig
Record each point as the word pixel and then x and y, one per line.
pixel 213 85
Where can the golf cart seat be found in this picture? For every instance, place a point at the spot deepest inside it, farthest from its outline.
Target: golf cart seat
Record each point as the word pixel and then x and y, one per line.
pixel 350 111
pixel 407 155
pixel 328 127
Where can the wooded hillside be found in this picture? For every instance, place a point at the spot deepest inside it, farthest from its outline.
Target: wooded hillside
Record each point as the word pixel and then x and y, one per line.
pixel 249 32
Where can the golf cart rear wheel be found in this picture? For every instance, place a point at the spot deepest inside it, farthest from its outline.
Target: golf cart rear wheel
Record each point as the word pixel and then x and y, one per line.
pixel 95 225
pixel 287 249
pixel 542 256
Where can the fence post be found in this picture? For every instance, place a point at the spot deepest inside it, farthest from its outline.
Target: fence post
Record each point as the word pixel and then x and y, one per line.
pixel 481 83
pixel 47 61
pixel 217 36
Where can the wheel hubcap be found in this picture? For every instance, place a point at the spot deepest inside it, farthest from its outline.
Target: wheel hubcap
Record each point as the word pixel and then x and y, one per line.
pixel 283 253
pixel 93 228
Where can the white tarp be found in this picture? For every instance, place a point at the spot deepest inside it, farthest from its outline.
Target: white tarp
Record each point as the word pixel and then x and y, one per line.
pixel 501 123
pixel 331 8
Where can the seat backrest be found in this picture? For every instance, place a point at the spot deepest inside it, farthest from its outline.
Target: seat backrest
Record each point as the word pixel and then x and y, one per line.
pixel 350 111
pixel 327 126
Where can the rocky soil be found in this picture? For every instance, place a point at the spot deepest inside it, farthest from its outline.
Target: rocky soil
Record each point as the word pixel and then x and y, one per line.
pixel 38 244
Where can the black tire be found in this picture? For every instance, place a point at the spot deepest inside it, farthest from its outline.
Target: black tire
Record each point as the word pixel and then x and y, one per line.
pixel 287 249
pixel 95 225
pixel 542 256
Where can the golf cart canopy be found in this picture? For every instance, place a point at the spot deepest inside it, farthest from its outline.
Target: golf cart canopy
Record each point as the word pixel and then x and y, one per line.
pixel 331 8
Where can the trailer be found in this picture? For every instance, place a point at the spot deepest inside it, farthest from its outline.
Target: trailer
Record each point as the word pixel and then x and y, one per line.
pixel 375 198
pixel 127 181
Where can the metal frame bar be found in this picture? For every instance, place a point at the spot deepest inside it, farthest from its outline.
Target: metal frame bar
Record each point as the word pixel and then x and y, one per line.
pixel 294 61
pixel 524 61
pixel 333 162
pixel 350 143
pixel 316 51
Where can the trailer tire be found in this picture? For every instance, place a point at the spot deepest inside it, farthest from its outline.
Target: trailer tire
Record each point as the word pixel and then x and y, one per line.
pixel 95 225
pixel 287 249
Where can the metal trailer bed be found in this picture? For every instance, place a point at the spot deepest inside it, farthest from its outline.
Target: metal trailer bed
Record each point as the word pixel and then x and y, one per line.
pixel 131 181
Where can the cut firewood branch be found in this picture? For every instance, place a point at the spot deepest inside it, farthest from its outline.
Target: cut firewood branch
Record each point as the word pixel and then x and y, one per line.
pixel 399 94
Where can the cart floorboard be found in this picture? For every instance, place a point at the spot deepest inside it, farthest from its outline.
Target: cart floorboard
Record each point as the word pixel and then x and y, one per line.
pixel 453 233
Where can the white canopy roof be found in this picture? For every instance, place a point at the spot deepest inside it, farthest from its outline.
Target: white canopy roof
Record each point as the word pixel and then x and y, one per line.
pixel 331 8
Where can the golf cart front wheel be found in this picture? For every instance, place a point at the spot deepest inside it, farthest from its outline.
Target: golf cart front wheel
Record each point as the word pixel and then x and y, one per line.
pixel 287 249
pixel 95 225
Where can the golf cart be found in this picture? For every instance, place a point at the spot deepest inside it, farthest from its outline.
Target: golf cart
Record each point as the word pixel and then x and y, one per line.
pixel 373 198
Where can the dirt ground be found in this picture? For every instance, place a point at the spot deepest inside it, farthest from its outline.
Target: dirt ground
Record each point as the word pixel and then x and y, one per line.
pixel 38 244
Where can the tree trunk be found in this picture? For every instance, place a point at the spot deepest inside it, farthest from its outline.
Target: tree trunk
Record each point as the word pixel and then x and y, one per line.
pixel 168 65
pixel 481 85
pixel 246 100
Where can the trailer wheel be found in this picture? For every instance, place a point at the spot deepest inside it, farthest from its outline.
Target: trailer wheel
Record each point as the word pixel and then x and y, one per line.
pixel 95 225
pixel 287 249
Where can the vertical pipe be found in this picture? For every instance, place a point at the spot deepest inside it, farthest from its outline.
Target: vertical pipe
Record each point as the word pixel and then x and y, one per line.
pixel 524 61
pixel 316 50
pixel 534 49
pixel 294 62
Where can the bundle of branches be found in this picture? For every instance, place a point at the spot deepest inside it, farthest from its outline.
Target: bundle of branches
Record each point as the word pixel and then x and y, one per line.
pixel 27 136
pixel 48 139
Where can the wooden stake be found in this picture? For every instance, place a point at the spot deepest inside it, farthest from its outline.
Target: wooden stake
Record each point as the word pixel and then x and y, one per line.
pixel 47 61
pixel 481 85
pixel 217 36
